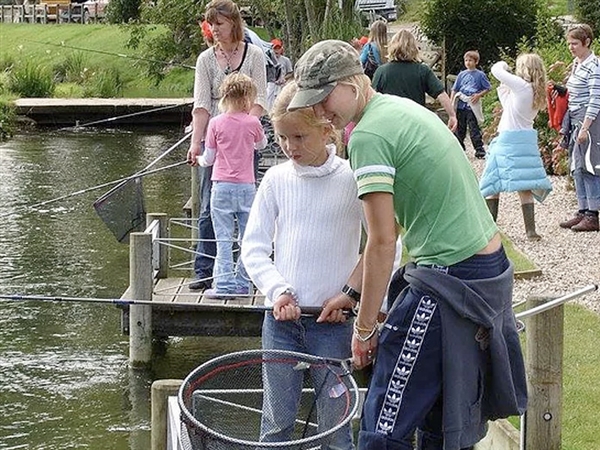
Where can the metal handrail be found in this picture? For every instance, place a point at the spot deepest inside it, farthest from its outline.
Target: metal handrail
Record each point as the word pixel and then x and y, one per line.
pixel 556 302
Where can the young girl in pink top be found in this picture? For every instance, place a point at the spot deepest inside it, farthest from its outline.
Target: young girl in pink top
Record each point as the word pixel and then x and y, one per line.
pixel 231 139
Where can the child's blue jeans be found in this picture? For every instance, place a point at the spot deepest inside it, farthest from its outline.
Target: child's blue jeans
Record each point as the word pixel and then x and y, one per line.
pixel 230 201
pixel 283 384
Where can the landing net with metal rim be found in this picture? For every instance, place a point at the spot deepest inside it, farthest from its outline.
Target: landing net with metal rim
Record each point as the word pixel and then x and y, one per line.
pixel 122 208
pixel 222 401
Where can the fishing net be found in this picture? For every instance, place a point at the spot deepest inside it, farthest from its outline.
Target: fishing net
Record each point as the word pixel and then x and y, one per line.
pixel 305 402
pixel 122 208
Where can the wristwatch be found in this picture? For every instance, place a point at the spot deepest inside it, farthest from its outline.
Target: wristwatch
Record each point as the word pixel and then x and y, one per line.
pixel 350 292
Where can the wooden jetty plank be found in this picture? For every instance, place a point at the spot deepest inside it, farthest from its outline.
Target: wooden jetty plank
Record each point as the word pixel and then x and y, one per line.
pixel 167 289
pixel 192 321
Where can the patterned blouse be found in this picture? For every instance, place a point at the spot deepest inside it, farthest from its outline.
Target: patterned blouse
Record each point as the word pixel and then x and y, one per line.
pixel 209 77
pixel 584 86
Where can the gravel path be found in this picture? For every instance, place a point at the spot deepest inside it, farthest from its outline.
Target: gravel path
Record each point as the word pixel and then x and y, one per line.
pixel 568 260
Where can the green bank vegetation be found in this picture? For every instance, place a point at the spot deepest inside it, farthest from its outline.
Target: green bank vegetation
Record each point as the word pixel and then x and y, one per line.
pixel 35 52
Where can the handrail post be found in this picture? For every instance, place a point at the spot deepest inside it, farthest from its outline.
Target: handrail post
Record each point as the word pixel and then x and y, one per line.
pixel 141 284
pixel 159 251
pixel 544 365
pixel 161 391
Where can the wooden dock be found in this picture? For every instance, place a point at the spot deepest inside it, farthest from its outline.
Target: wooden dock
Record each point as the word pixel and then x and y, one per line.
pixel 82 111
pixel 192 314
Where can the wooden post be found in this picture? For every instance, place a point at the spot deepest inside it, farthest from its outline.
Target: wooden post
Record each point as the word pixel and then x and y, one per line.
pixel 161 391
pixel 544 362
pixel 141 285
pixel 159 252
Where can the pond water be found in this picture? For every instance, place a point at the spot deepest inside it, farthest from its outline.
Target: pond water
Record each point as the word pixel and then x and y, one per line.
pixel 64 376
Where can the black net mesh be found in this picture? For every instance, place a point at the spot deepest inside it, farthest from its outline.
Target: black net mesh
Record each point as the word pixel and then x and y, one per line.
pixel 122 208
pixel 262 399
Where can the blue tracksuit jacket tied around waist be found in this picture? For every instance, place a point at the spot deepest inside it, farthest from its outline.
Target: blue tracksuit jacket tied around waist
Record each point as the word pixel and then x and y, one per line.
pixel 482 355
pixel 514 164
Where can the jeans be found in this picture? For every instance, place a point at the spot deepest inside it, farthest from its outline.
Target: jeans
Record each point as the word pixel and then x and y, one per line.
pixel 405 393
pixel 230 201
pixel 206 249
pixel 283 385
pixel 587 189
pixel 466 119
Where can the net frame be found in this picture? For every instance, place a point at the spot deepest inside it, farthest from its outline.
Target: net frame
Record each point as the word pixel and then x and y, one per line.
pixel 221 363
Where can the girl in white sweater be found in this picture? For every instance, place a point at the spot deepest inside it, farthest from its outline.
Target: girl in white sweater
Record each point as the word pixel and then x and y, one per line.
pixel 307 213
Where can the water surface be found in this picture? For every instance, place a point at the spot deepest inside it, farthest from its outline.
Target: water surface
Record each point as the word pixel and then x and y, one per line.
pixel 64 379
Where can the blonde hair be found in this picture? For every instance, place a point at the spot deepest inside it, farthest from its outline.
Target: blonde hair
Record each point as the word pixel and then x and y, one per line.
pixel 404 47
pixel 582 33
pixel 473 54
pixel 306 115
pixel 378 35
pixel 238 93
pixel 362 84
pixel 231 12
pixel 530 67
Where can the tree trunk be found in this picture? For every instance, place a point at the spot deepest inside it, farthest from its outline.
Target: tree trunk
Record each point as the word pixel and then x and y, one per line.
pixel 313 26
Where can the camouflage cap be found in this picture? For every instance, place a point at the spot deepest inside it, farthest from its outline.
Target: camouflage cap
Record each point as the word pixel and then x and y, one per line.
pixel 319 69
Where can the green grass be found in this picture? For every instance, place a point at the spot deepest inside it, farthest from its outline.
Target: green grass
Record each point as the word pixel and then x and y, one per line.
pixel 519 259
pixel 581 379
pixel 16 44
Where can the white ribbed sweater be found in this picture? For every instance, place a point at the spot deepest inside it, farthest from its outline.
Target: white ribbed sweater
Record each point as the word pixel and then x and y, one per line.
pixel 310 216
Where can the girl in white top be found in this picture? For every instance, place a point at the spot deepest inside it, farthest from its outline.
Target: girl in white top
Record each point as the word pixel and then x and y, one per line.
pixel 307 213
pixel 513 161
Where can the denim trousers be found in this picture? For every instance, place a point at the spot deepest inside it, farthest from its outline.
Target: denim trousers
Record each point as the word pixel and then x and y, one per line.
pixel 283 384
pixel 587 189
pixel 230 202
pixel 466 119
pixel 206 249
pixel 405 392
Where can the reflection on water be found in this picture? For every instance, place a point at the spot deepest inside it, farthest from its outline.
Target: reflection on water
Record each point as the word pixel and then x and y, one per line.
pixel 64 380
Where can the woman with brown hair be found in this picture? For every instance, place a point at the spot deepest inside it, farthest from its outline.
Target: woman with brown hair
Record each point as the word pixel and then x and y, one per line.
pixel 583 129
pixel 228 54
pixel 406 76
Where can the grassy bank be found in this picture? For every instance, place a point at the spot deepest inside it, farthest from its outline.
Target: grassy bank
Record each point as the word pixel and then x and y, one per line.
pixel 41 45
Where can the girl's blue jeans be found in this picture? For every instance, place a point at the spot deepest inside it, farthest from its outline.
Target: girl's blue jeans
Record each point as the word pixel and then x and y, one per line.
pixel 283 384
pixel 230 202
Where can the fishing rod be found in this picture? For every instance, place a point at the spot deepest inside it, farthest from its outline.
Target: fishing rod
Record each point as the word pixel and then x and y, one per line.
pixel 125 116
pixel 104 52
pixel 123 302
pixel 142 172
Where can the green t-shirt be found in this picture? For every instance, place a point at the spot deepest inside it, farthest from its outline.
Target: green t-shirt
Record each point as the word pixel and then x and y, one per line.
pixel 404 149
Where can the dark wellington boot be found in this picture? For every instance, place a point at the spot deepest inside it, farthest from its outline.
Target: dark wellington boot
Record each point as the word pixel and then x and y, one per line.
pixel 529 219
pixel 572 221
pixel 492 204
pixel 588 223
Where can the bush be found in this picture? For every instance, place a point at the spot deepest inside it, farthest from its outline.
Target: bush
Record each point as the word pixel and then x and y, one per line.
pixel 123 11
pixel 72 69
pixel 104 83
pixel 31 80
pixel 69 90
pixel 490 26
pixel 7 119
pixel 588 11
pixel 6 62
